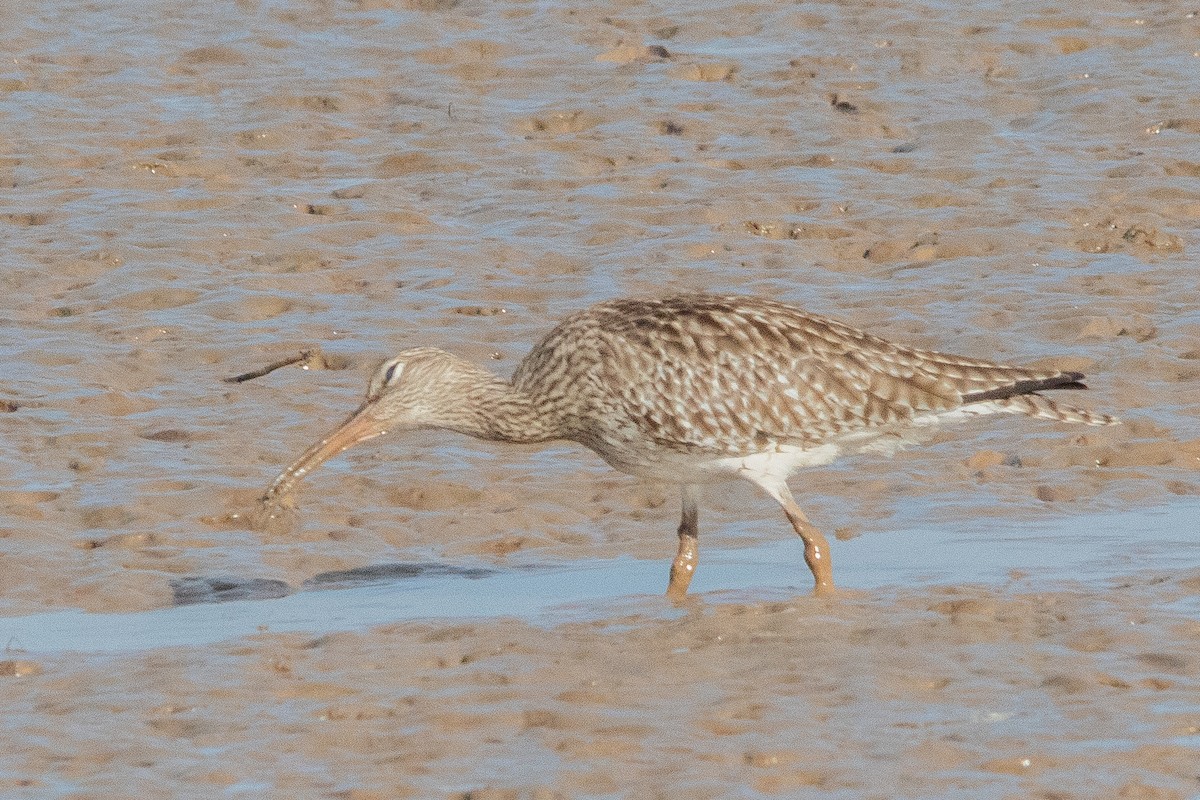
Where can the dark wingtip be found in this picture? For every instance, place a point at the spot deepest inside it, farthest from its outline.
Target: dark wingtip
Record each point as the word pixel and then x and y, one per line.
pixel 1064 380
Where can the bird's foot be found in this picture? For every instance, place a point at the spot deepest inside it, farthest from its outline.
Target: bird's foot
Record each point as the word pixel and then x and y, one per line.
pixel 831 592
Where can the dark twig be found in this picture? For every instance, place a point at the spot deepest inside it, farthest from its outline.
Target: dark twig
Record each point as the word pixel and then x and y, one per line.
pixel 305 357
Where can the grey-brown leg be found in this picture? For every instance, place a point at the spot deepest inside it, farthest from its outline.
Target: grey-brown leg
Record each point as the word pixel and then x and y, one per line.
pixel 684 565
pixel 816 546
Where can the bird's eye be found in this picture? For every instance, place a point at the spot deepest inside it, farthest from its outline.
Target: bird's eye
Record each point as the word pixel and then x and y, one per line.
pixel 392 374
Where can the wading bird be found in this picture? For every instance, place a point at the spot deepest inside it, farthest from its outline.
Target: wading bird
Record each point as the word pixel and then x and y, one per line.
pixel 695 389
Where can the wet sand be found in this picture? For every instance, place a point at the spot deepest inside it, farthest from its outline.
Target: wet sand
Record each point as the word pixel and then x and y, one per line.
pixel 193 192
pixel 950 691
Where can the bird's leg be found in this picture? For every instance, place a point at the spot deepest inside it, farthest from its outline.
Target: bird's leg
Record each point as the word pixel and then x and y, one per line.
pixel 684 565
pixel 816 546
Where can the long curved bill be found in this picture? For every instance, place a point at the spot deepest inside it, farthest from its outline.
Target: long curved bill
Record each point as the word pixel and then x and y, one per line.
pixel 358 427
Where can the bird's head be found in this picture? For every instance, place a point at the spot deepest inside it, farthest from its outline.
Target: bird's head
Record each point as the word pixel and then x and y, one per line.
pixel 418 388
pixel 414 388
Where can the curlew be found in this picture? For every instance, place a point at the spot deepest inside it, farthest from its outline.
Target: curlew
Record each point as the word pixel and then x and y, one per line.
pixel 695 389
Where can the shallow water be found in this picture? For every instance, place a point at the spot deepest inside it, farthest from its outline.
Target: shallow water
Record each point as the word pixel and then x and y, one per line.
pixel 190 192
pixel 1100 550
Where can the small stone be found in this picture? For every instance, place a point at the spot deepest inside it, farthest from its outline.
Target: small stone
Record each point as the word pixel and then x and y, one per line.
pixel 1056 494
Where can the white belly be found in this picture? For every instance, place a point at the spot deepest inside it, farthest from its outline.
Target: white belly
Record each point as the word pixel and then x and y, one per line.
pixel 674 467
pixel 776 464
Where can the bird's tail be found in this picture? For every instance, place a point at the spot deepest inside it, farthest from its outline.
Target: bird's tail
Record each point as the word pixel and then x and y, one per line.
pixel 1036 405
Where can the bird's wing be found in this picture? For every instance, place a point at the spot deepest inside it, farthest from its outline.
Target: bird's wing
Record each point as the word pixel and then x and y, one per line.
pixel 735 375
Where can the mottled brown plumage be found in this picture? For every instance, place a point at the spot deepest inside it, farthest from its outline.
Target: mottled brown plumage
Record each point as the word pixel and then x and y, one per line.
pixel 699 388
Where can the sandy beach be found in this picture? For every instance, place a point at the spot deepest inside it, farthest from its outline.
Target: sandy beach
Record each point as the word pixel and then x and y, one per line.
pixel 188 193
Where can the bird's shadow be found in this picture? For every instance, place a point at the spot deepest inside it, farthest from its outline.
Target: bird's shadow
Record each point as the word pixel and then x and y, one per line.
pixel 197 589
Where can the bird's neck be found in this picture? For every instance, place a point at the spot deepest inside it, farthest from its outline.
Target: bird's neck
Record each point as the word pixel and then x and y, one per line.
pixel 494 409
